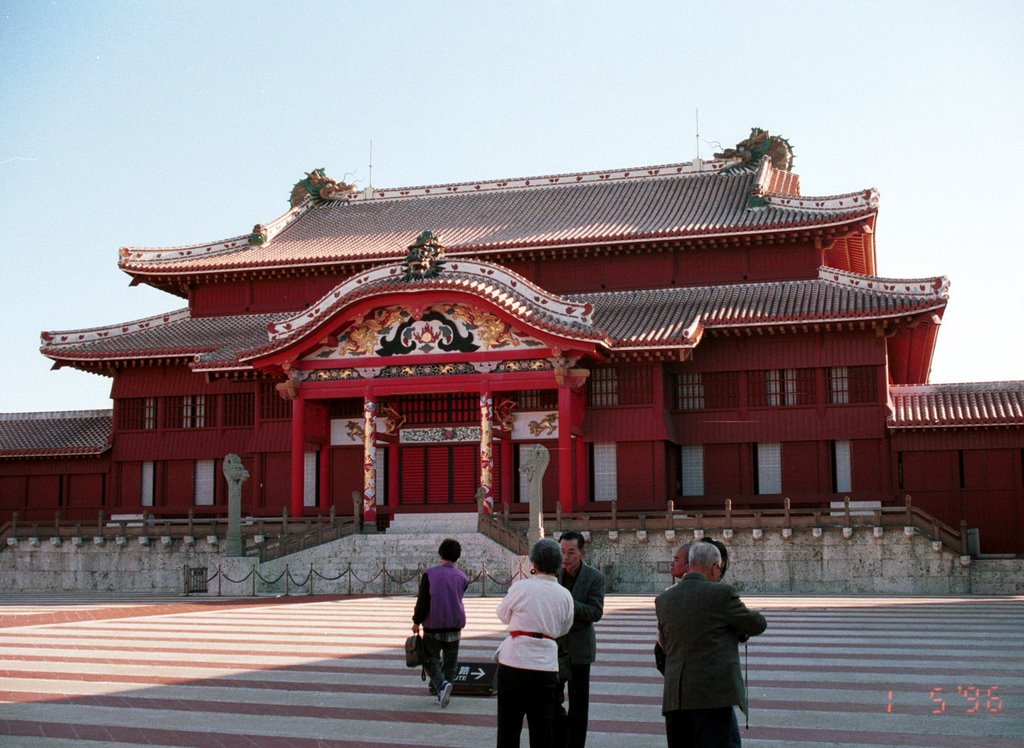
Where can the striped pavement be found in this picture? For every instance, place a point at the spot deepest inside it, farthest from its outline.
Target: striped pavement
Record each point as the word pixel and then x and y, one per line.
pixel 329 671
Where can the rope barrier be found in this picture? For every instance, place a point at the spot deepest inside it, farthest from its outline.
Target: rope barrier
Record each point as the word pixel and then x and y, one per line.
pixel 397 579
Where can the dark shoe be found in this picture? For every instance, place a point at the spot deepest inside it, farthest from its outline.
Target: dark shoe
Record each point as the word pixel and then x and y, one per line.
pixel 444 696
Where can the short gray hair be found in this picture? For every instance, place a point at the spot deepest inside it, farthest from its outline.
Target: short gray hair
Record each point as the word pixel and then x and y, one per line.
pixel 705 554
pixel 546 555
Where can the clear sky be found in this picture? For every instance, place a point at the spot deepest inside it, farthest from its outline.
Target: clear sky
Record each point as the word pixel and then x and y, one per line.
pixel 157 124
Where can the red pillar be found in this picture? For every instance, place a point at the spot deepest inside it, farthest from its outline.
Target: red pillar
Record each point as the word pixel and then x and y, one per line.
pixel 325 478
pixel 508 470
pixel 582 471
pixel 298 455
pixel 565 450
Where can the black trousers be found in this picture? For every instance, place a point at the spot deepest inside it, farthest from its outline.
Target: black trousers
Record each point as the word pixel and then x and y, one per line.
pixel 702 728
pixel 571 724
pixel 440 660
pixel 526 693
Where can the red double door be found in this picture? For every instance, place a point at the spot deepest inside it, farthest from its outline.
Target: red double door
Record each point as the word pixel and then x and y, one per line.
pixel 440 474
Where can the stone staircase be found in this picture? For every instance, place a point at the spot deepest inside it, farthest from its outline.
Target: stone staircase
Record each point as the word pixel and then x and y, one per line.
pixel 374 563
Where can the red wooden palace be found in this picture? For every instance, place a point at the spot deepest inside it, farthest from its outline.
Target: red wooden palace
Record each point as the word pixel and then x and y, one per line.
pixel 693 332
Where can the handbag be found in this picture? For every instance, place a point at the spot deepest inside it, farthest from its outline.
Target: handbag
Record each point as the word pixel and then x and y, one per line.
pixel 413 651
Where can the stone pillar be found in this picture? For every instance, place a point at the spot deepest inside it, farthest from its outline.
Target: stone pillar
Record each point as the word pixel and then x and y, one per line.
pixel 236 475
pixel 533 463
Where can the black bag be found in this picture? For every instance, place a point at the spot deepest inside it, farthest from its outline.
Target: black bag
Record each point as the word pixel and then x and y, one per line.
pixel 413 651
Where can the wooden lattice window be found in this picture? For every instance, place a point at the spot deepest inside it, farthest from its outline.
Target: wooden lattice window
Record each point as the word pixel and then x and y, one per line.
pixel 136 413
pixel 272 405
pixel 187 412
pixel 535 400
pixel 689 391
pixel 347 407
pixel 695 390
pixel 721 389
pixel 239 409
pixel 619 386
pixel 442 408
pixel 603 387
pixel 852 384
pixel 774 388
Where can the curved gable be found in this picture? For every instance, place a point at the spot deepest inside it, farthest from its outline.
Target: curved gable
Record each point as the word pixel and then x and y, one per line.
pixel 472 308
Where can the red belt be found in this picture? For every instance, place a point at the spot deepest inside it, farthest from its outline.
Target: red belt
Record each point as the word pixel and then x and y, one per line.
pixel 532 634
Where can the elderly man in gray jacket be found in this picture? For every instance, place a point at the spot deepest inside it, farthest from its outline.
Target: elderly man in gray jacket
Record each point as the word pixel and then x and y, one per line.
pixel 587 587
pixel 700 625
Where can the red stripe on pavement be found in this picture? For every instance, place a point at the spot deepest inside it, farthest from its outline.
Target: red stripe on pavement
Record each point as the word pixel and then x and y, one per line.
pixel 151 736
pixel 100 612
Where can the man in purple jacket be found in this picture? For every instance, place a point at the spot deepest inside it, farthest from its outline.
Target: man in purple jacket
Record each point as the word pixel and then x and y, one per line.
pixel 440 612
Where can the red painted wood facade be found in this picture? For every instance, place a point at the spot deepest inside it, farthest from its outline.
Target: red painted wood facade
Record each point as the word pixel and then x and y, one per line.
pixel 689 333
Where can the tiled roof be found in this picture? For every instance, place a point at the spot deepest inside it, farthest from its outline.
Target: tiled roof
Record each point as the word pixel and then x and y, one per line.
pixel 68 433
pixel 173 335
pixel 957 405
pixel 622 320
pixel 507 290
pixel 664 202
pixel 674 317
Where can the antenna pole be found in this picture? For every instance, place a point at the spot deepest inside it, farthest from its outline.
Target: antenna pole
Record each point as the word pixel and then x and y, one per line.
pixel 697 124
pixel 371 163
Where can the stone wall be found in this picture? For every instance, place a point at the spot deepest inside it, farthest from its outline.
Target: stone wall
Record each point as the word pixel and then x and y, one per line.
pixel 827 561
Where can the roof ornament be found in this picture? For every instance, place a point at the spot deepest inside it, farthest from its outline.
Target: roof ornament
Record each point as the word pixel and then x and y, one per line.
pixel 425 258
pixel 761 143
pixel 321 187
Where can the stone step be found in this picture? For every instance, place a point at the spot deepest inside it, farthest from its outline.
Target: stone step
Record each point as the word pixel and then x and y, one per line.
pixel 419 523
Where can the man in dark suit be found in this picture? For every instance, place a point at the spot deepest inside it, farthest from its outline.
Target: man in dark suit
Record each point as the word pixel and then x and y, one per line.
pixel 587 587
pixel 700 624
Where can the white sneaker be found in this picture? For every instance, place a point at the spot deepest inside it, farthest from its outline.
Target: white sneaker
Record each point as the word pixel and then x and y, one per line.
pixel 444 695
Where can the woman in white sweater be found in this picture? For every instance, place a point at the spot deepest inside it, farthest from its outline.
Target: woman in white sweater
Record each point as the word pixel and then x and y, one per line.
pixel 537 611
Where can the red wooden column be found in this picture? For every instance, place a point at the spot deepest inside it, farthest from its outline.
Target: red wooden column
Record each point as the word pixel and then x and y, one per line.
pixel 325 476
pixel 582 471
pixel 566 474
pixel 508 470
pixel 298 455
pixel 570 383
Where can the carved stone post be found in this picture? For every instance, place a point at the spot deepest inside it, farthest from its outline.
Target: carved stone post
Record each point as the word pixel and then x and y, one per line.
pixel 236 475
pixel 533 464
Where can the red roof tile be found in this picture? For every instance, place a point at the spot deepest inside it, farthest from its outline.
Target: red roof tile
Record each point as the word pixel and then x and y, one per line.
pixel 68 433
pixel 957 405
pixel 623 320
pixel 673 201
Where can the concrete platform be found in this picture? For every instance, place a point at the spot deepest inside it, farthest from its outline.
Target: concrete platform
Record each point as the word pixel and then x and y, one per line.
pixel 329 671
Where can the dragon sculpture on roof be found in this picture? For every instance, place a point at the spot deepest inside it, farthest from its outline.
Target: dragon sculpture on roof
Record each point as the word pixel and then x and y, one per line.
pixel 761 143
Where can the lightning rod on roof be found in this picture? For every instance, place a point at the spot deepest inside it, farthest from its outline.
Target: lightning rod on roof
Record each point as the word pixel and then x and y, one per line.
pixel 371 164
pixel 697 127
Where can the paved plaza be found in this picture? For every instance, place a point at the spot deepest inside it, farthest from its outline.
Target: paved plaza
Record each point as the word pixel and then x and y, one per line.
pixel 329 671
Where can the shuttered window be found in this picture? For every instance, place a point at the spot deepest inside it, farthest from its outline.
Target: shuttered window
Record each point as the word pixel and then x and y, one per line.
pixel 842 475
pixel 768 468
pixel 148 473
pixel 692 466
pixel 605 481
pixel 309 471
pixel 204 483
